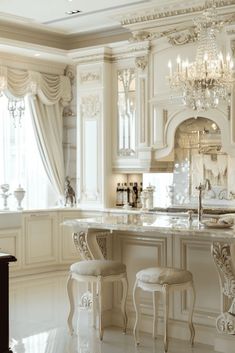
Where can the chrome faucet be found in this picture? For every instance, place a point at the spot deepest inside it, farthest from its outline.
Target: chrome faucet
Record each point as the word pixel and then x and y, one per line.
pixel 207 185
pixel 201 188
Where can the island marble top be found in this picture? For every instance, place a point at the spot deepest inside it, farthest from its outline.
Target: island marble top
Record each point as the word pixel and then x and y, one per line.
pixel 150 222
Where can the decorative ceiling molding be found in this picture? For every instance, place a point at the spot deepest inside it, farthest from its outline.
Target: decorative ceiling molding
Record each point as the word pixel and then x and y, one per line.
pixel 154 13
pixel 189 35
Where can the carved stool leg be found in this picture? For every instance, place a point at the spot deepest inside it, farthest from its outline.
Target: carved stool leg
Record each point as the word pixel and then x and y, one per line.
pixel 136 303
pixel 123 302
pixel 70 291
pixel 101 331
pixel 155 310
pixel 94 303
pixel 191 309
pixel 165 291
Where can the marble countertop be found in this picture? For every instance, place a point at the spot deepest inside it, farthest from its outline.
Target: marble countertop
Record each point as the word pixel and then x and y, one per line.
pixel 149 222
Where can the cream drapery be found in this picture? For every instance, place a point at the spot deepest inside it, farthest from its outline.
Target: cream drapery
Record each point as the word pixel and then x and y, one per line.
pixel 48 128
pixel 47 95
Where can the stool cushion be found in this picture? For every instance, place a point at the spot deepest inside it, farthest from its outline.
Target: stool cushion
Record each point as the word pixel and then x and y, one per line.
pixel 98 268
pixel 164 275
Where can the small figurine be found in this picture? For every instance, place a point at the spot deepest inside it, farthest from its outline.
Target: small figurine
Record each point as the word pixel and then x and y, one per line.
pixel 70 196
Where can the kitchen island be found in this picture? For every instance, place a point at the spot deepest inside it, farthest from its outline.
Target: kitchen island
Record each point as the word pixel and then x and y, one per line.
pixel 143 240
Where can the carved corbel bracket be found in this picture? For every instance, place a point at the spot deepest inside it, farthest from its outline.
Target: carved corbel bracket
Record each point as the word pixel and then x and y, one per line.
pixel 140 36
pixel 222 258
pixel 80 242
pixel 141 62
pixel 98 244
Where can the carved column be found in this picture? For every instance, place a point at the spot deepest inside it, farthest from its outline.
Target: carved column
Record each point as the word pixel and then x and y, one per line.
pixel 221 253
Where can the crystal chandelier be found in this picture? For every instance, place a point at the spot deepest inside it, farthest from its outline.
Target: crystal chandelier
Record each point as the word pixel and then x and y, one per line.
pixel 208 80
pixel 16 108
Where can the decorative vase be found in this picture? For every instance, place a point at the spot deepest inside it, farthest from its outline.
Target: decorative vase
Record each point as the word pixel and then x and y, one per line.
pixel 5 195
pixel 19 195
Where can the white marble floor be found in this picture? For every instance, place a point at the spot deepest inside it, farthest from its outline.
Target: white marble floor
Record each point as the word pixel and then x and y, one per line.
pixel 38 312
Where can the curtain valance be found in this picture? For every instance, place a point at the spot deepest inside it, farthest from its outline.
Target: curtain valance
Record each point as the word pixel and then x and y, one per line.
pixel 49 88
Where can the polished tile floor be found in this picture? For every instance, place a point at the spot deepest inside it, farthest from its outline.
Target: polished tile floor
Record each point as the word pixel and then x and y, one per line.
pixel 38 313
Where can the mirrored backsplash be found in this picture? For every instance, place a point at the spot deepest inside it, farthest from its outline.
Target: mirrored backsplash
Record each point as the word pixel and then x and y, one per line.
pixel 199 158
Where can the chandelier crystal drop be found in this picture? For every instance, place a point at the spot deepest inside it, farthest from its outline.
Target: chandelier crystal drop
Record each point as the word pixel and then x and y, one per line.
pixel 209 79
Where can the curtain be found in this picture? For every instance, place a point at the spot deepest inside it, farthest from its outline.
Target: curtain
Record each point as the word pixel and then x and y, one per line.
pixel 48 128
pixel 49 88
pixel 47 95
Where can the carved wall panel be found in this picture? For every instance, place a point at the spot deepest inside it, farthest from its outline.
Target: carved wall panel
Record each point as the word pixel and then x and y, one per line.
pixel 90 107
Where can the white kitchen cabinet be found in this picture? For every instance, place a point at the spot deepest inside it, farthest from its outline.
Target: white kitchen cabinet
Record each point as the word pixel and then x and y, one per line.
pixel 40 243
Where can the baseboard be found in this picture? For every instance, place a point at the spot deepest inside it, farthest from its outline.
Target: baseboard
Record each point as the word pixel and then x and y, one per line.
pixel 177 329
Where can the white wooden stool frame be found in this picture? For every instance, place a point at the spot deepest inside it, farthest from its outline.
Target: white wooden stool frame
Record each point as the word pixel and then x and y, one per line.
pixel 86 243
pixel 96 281
pixel 164 289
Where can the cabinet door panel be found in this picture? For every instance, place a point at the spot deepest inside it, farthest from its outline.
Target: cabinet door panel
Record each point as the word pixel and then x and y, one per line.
pixel 194 255
pixel 40 239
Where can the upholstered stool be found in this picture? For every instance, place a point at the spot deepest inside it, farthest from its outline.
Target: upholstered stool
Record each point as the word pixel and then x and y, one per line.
pixel 97 272
pixel 165 280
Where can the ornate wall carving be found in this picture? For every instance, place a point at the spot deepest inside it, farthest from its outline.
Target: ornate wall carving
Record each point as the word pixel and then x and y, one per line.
pixel 186 36
pixel 86 77
pixel 90 106
pixel 141 62
pixel 70 73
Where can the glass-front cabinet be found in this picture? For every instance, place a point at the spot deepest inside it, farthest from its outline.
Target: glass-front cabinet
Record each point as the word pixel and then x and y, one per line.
pixel 126 112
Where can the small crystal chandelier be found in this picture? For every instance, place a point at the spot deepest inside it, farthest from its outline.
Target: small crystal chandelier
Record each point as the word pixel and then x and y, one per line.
pixel 209 79
pixel 16 108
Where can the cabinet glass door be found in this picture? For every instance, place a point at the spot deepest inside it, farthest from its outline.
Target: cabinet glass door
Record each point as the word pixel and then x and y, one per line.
pixel 126 112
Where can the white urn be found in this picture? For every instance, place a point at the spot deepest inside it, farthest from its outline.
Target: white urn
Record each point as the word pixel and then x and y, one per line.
pixel 19 194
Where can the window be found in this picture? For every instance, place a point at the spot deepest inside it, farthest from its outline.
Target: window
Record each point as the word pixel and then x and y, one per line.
pixel 20 162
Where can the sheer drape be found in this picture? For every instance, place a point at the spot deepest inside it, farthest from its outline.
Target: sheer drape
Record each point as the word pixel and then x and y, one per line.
pixel 47 96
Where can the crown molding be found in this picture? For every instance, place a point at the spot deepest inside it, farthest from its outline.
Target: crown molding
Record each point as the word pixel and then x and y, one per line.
pixel 157 21
pixel 113 35
pixel 27 34
pixel 110 54
pixel 26 63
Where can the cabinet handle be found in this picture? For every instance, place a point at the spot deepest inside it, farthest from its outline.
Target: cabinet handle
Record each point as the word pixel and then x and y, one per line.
pixel 39 215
